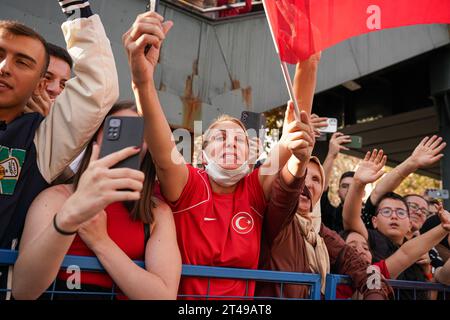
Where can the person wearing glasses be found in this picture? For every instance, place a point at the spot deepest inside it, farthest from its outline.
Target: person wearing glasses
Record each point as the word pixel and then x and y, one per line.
pixel 418 213
pixel 404 257
pixel 426 154
pixel 391 221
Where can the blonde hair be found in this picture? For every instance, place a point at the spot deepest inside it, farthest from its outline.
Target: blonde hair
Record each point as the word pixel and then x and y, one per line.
pixel 220 119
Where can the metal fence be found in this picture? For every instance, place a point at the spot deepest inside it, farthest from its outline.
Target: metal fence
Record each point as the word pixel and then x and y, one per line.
pixel 8 258
pixel 333 280
pixel 91 264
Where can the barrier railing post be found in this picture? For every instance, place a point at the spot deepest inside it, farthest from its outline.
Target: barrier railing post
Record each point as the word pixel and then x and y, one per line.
pixel 89 264
pixel 331 287
pixel 315 290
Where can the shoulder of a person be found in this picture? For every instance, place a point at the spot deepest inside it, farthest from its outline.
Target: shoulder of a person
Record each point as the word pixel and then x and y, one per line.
pixel 160 207
pixel 194 171
pixel 55 193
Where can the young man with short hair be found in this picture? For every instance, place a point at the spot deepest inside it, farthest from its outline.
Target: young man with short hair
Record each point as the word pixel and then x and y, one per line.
pixel 34 150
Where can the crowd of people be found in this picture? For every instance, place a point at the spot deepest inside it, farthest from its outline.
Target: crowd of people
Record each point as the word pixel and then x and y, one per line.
pixel 58 197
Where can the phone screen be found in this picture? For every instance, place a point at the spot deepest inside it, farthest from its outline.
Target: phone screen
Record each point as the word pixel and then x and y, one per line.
pixel 332 126
pixel 356 142
pixel 254 123
pixel 152 5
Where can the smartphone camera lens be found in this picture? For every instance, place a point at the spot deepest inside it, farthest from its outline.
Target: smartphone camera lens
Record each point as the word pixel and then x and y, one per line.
pixel 114 123
pixel 113 129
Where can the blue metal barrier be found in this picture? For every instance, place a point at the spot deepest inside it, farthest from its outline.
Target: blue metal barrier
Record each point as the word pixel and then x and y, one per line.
pixel 8 257
pixel 333 280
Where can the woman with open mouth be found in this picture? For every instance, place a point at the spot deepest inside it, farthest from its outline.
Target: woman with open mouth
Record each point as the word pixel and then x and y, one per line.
pixel 295 239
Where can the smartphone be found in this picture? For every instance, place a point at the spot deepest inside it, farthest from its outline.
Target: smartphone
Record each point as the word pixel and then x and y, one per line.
pixel 437 193
pixel 332 126
pixel 152 5
pixel 120 133
pixel 254 122
pixel 322 137
pixel 355 144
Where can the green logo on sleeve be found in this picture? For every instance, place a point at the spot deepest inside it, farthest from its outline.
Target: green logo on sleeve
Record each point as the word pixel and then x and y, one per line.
pixel 11 162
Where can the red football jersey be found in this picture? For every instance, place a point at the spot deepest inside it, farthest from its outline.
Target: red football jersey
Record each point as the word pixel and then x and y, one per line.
pixel 222 230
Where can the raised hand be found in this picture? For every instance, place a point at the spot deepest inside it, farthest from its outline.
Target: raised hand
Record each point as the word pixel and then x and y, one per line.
pixel 317 123
pixel 428 152
pixel 300 141
pixel 444 216
pixel 371 168
pixel 40 100
pixel 337 141
pixel 148 29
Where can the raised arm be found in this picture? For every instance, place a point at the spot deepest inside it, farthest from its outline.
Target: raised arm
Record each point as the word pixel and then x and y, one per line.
pixel 414 249
pixel 293 132
pixel 81 107
pixel 427 152
pixel 149 29
pixel 288 185
pixel 336 145
pixel 304 88
pixel 305 80
pixel 369 171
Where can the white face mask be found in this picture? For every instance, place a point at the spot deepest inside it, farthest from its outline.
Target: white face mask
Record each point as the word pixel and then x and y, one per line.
pixel 225 177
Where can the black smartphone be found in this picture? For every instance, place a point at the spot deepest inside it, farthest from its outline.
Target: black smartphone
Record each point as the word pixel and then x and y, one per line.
pixel 254 121
pixel 120 133
pixel 356 142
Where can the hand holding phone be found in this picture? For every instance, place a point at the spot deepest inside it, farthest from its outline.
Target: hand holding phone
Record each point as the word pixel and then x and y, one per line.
pixel 356 142
pixel 120 133
pixel 331 126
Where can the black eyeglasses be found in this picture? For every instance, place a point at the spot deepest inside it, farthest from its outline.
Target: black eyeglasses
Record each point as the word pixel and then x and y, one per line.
pixel 387 212
pixel 416 208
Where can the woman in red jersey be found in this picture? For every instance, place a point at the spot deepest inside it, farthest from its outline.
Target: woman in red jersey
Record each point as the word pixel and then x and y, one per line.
pixel 107 213
pixel 218 210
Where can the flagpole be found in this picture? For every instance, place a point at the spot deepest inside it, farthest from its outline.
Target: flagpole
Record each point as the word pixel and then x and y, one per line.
pixel 284 68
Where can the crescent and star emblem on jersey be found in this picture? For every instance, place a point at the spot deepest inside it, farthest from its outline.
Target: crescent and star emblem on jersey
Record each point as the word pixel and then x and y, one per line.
pixel 242 222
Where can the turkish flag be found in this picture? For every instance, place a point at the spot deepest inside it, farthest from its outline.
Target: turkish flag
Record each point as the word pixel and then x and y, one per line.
pixel 304 27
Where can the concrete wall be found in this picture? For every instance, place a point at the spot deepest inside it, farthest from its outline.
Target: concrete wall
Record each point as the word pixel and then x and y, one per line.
pixel 207 69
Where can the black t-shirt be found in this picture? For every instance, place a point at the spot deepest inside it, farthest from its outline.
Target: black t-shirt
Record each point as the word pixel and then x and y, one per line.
pixel 431 223
pixel 368 212
pixel 331 215
pixel 382 248
pixel 23 181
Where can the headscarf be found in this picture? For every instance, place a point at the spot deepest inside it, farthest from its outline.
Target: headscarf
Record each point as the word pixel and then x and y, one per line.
pixel 310 223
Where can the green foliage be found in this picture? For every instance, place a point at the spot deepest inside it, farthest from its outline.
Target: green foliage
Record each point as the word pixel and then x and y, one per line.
pixel 415 183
